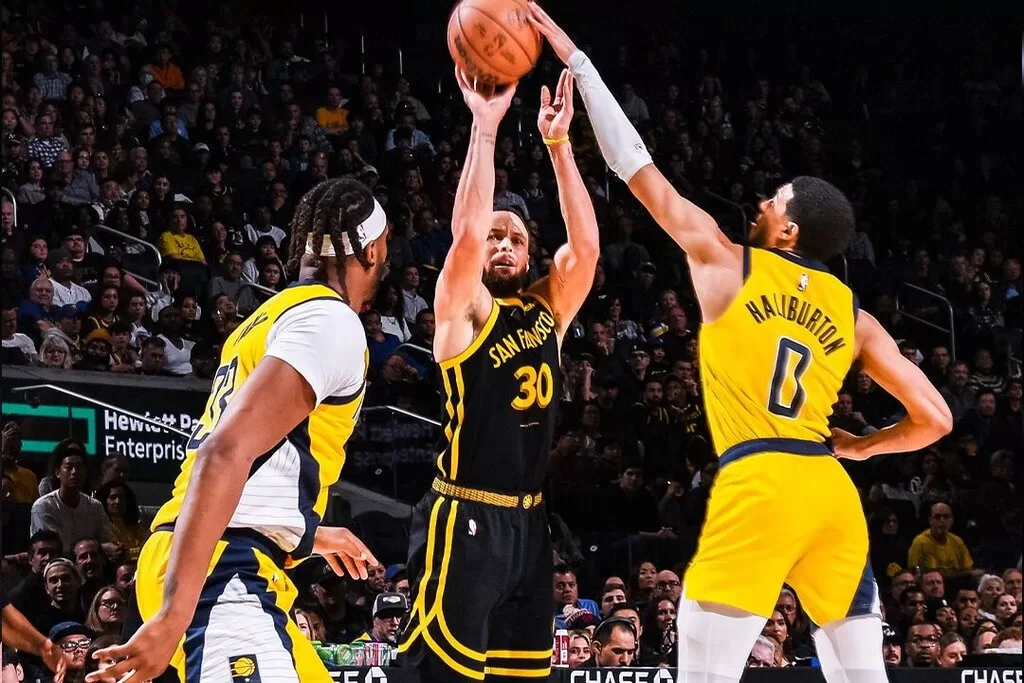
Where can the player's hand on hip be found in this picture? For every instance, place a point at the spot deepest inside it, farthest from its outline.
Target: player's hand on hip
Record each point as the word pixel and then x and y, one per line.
pixel 845 445
pixel 486 105
pixel 345 554
pixel 559 40
pixel 142 658
pixel 555 115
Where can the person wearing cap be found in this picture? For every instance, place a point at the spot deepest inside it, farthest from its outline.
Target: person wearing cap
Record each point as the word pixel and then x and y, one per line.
pixel 97 347
pixel 940 611
pixel 241 509
pixel 74 639
pixel 389 609
pixel 892 646
pixel 18 633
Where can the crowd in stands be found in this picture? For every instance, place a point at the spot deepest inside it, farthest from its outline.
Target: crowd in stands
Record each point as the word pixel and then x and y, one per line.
pixel 149 133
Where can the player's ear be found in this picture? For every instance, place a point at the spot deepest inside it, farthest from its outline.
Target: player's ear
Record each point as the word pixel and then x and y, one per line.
pixel 790 232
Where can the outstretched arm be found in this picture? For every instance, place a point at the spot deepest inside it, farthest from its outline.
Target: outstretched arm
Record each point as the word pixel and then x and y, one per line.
pixel 572 272
pixel 626 154
pixel 19 634
pixel 928 418
pixel 459 283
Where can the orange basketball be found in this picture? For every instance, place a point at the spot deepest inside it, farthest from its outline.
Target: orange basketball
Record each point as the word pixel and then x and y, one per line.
pixel 492 41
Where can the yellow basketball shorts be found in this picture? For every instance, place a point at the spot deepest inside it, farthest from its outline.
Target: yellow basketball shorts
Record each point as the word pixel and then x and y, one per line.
pixel 241 630
pixel 774 518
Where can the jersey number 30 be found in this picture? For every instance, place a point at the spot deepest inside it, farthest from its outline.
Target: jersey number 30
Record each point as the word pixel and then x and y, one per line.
pixel 223 387
pixel 785 369
pixel 535 387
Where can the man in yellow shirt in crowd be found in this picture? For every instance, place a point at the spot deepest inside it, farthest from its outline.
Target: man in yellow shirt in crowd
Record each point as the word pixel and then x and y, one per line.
pixel 175 243
pixel 937 547
pixel 26 484
pixel 332 117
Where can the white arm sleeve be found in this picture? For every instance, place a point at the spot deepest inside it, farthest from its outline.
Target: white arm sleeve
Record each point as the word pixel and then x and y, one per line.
pixel 622 147
pixel 325 343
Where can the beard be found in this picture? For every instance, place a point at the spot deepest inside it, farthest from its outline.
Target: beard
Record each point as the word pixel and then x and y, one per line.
pixel 758 235
pixel 503 287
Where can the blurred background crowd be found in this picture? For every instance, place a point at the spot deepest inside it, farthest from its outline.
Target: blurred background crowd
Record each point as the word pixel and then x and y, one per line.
pixel 152 159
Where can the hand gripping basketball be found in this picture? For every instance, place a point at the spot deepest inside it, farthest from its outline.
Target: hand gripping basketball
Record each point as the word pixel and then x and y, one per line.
pixel 483 102
pixel 556 36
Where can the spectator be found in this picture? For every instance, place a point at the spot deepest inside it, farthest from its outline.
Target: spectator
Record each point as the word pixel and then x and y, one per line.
pixel 106 613
pixel 175 243
pixel 75 639
pixel 933 585
pixel 89 560
pixel 1006 609
pixel 122 509
pixel 941 613
pixel 505 199
pixel 54 352
pixel 38 314
pixel 30 592
pixel 389 610
pixel 204 358
pixel 892 646
pixel 97 347
pixel 1009 639
pixel 164 71
pixel 614 643
pixel 923 645
pixel 937 547
pixel 952 650
pixel 229 282
pixel 959 396
pixel 762 654
pixel 667 586
pixel 579 649
pixel 52 83
pixel 261 226
pixel 381 344
pixel 413 303
pixel 611 597
pixel 66 292
pixel 567 597
pixel 629 507
pixel 45 145
pixel 913 607
pixel 659 633
pixel 61 582
pixel 984 375
pixel 23 479
pixel 177 349
pixel 777 628
pixel 1011 580
pixel 102 311
pixel 69 511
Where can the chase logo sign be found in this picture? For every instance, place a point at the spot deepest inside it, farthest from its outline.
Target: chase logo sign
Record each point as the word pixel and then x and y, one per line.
pixel 621 676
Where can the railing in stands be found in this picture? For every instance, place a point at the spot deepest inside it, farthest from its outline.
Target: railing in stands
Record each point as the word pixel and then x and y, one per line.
pixel 130 238
pixel 102 404
pixel 951 330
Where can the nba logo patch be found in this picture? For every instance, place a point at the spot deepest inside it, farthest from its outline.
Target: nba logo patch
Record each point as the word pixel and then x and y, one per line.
pixel 472 527
pixel 804 281
pixel 244 669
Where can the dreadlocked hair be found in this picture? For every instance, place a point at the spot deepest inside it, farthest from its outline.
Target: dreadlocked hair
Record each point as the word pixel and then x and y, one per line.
pixel 331 210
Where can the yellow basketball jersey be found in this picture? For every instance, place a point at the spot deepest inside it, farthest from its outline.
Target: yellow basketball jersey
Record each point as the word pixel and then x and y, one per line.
pixel 286 493
pixel 773 364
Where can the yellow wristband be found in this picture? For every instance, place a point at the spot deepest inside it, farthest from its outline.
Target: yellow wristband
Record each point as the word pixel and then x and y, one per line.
pixel 557 141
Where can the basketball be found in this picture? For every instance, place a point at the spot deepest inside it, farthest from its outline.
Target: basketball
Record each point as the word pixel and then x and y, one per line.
pixel 492 41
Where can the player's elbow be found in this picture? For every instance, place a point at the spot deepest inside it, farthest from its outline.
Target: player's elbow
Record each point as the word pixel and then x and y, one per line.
pixel 936 418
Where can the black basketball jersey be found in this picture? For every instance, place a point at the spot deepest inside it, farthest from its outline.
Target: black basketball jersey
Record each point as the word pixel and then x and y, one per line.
pixel 500 398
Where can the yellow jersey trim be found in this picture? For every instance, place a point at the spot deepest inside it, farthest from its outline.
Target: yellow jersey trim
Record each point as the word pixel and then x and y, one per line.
pixel 477 342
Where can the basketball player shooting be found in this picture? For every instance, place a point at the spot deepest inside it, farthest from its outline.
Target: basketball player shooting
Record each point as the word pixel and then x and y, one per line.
pixel 210 585
pixel 480 548
pixel 779 335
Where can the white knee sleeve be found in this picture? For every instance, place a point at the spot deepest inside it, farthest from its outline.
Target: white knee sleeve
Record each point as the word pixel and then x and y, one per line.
pixel 715 641
pixel 850 650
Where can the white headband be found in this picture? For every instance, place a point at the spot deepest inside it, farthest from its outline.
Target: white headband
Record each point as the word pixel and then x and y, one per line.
pixel 369 230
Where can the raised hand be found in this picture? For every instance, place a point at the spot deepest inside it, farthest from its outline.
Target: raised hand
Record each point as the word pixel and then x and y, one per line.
pixel 555 116
pixel 559 40
pixel 486 105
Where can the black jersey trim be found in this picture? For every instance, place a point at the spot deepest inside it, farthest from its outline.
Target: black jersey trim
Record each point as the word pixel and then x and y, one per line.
pixel 477 342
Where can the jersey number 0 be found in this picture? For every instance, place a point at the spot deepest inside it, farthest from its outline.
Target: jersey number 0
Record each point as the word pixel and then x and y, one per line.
pixel 788 349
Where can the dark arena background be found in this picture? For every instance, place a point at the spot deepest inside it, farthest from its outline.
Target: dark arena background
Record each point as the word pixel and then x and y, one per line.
pixel 153 155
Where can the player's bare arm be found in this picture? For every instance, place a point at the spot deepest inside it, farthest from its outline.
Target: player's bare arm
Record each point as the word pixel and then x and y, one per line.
pixel 462 303
pixel 21 635
pixel 715 262
pixel 928 418
pixel 572 273
pixel 221 470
